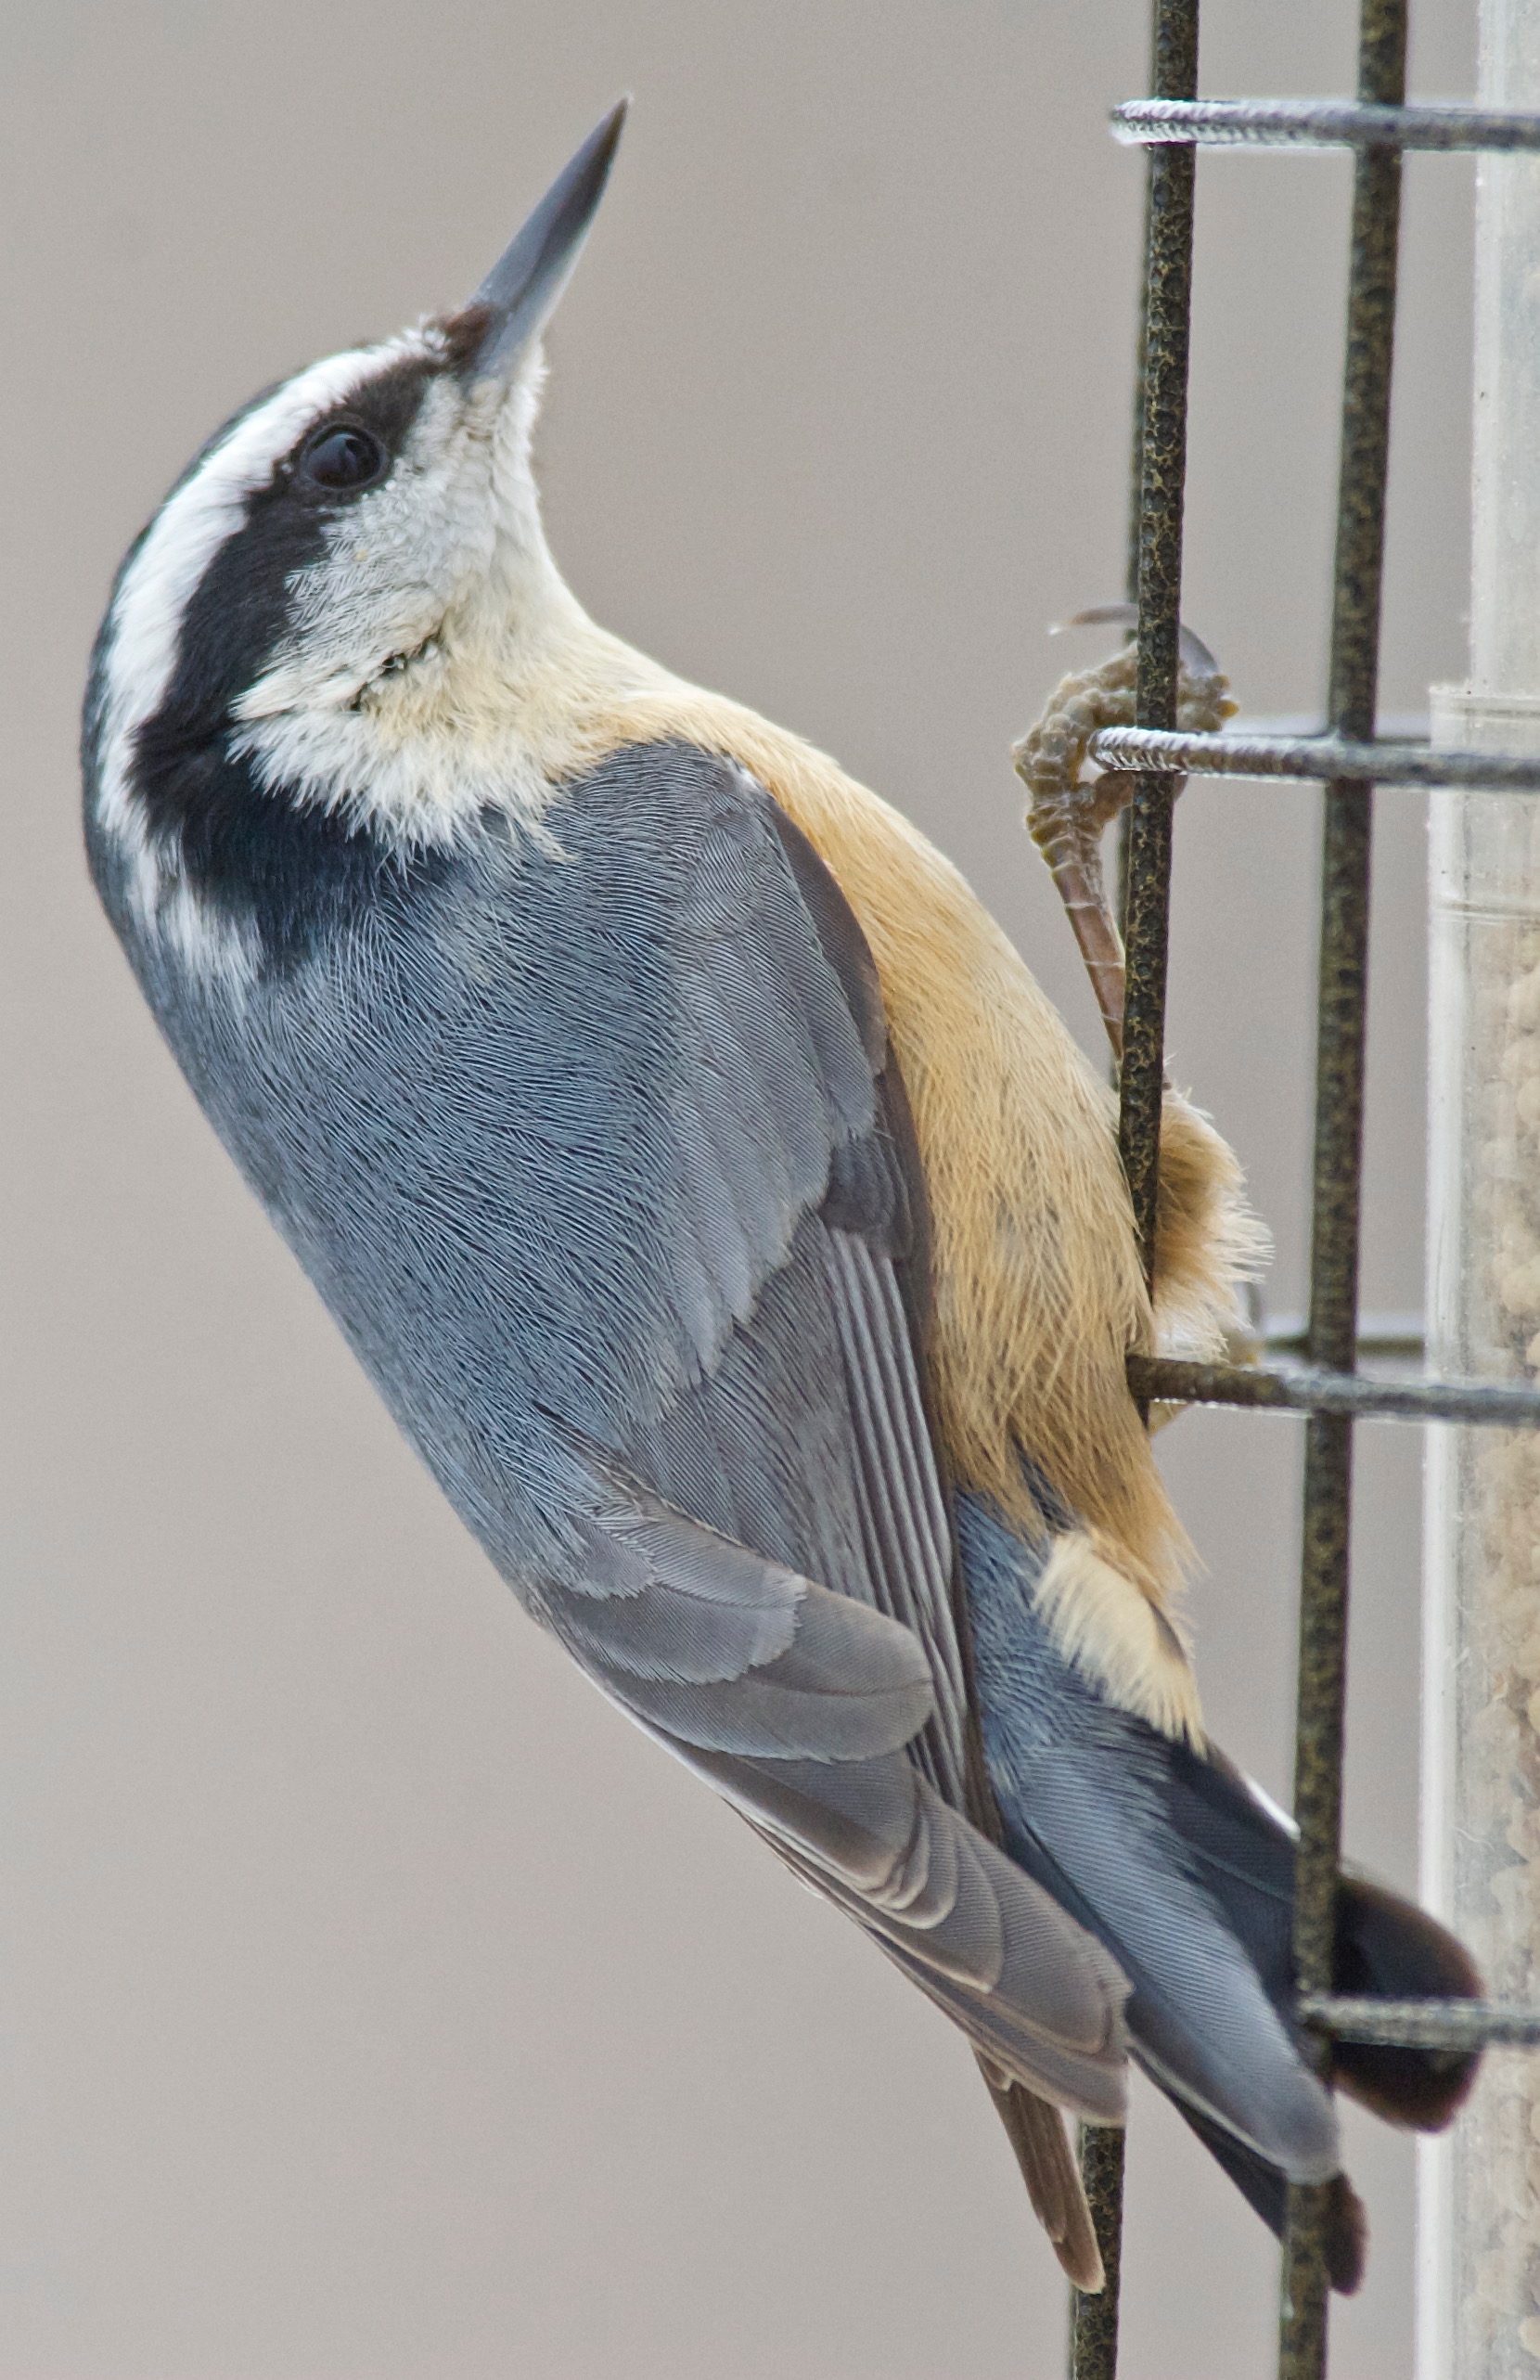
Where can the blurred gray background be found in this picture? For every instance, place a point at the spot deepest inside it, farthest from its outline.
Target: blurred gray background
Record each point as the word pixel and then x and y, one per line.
pixel 374 2003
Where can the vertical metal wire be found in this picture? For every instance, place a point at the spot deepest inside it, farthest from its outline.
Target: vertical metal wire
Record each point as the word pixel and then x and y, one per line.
pixel 1094 2321
pixel 1168 266
pixel 1338 1120
pixel 1160 459
pixel 1135 462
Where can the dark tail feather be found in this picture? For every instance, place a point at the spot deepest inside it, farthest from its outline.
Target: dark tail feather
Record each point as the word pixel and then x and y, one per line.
pixel 1391 1950
pixel 1168 1857
pixel 1386 1950
pixel 1264 2188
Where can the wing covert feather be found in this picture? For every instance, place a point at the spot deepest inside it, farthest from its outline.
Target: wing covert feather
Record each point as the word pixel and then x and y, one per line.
pixel 765 1572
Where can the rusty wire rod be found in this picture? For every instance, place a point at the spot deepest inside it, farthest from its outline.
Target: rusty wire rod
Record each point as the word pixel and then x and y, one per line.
pixel 1316 759
pixel 1311 1389
pixel 1338 1169
pixel 1093 2332
pixel 1421 2023
pixel 1136 514
pixel 1163 453
pixel 1161 457
pixel 1094 2321
pixel 1322 123
pixel 1162 480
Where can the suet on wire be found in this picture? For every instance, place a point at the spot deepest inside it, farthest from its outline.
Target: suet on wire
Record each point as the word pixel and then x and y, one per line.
pixel 730 1225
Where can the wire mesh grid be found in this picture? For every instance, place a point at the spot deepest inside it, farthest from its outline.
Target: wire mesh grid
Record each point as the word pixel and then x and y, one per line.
pixel 1349 761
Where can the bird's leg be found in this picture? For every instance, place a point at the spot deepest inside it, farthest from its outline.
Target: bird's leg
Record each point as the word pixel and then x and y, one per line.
pixel 1067 813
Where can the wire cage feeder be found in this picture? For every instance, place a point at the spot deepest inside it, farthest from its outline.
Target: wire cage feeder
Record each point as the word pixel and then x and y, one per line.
pixel 1349 761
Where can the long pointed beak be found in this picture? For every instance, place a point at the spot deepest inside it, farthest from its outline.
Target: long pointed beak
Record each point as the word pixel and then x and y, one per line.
pixel 522 288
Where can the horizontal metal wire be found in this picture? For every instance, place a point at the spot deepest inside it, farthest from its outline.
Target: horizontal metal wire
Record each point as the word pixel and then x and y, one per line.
pixel 1321 758
pixel 1421 2023
pixel 1321 123
pixel 1305 1388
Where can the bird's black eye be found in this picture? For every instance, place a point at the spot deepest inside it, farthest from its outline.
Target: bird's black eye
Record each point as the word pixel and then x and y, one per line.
pixel 343 458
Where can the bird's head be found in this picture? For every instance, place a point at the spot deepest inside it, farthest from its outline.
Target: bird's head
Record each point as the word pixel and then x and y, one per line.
pixel 336 606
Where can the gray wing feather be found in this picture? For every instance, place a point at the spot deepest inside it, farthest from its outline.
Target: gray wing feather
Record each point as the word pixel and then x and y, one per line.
pixel 800 1706
pixel 908 1533
pixel 728 1652
pixel 766 1576
pixel 607 1182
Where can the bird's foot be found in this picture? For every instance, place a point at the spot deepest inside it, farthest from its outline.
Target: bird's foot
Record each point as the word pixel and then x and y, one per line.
pixel 1067 813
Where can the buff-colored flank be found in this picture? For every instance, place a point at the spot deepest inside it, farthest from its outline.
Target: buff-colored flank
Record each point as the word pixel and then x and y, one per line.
pixel 1039 1293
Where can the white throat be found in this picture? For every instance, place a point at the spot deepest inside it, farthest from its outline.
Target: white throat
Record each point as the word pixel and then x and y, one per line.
pixel 467 717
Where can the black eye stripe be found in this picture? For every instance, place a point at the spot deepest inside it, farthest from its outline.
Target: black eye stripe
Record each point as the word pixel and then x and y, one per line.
pixel 237 614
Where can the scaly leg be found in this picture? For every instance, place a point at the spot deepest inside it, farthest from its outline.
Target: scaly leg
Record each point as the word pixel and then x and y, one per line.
pixel 1068 814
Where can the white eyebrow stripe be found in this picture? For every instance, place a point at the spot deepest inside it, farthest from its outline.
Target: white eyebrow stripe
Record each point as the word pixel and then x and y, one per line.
pixel 181 542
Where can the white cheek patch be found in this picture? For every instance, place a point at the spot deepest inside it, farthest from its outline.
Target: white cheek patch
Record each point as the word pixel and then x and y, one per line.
pixel 391 565
pixel 367 712
pixel 181 542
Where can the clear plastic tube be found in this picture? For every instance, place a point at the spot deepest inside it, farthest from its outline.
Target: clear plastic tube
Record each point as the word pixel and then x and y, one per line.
pixel 1480 2251
pixel 1478 2247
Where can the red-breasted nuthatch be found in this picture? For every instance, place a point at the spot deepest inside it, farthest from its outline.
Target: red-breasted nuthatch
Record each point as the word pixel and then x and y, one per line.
pixel 728 1220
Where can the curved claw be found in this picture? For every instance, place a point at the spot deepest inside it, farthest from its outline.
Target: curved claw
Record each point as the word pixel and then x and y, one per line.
pixel 1194 652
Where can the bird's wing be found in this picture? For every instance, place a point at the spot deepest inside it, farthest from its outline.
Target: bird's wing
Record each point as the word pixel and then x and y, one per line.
pixel 1036 2133
pixel 761 1564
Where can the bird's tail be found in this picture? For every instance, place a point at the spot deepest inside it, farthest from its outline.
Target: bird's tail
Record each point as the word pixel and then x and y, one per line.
pixel 1185 1874
pixel 1265 2188
pixel 1386 1948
